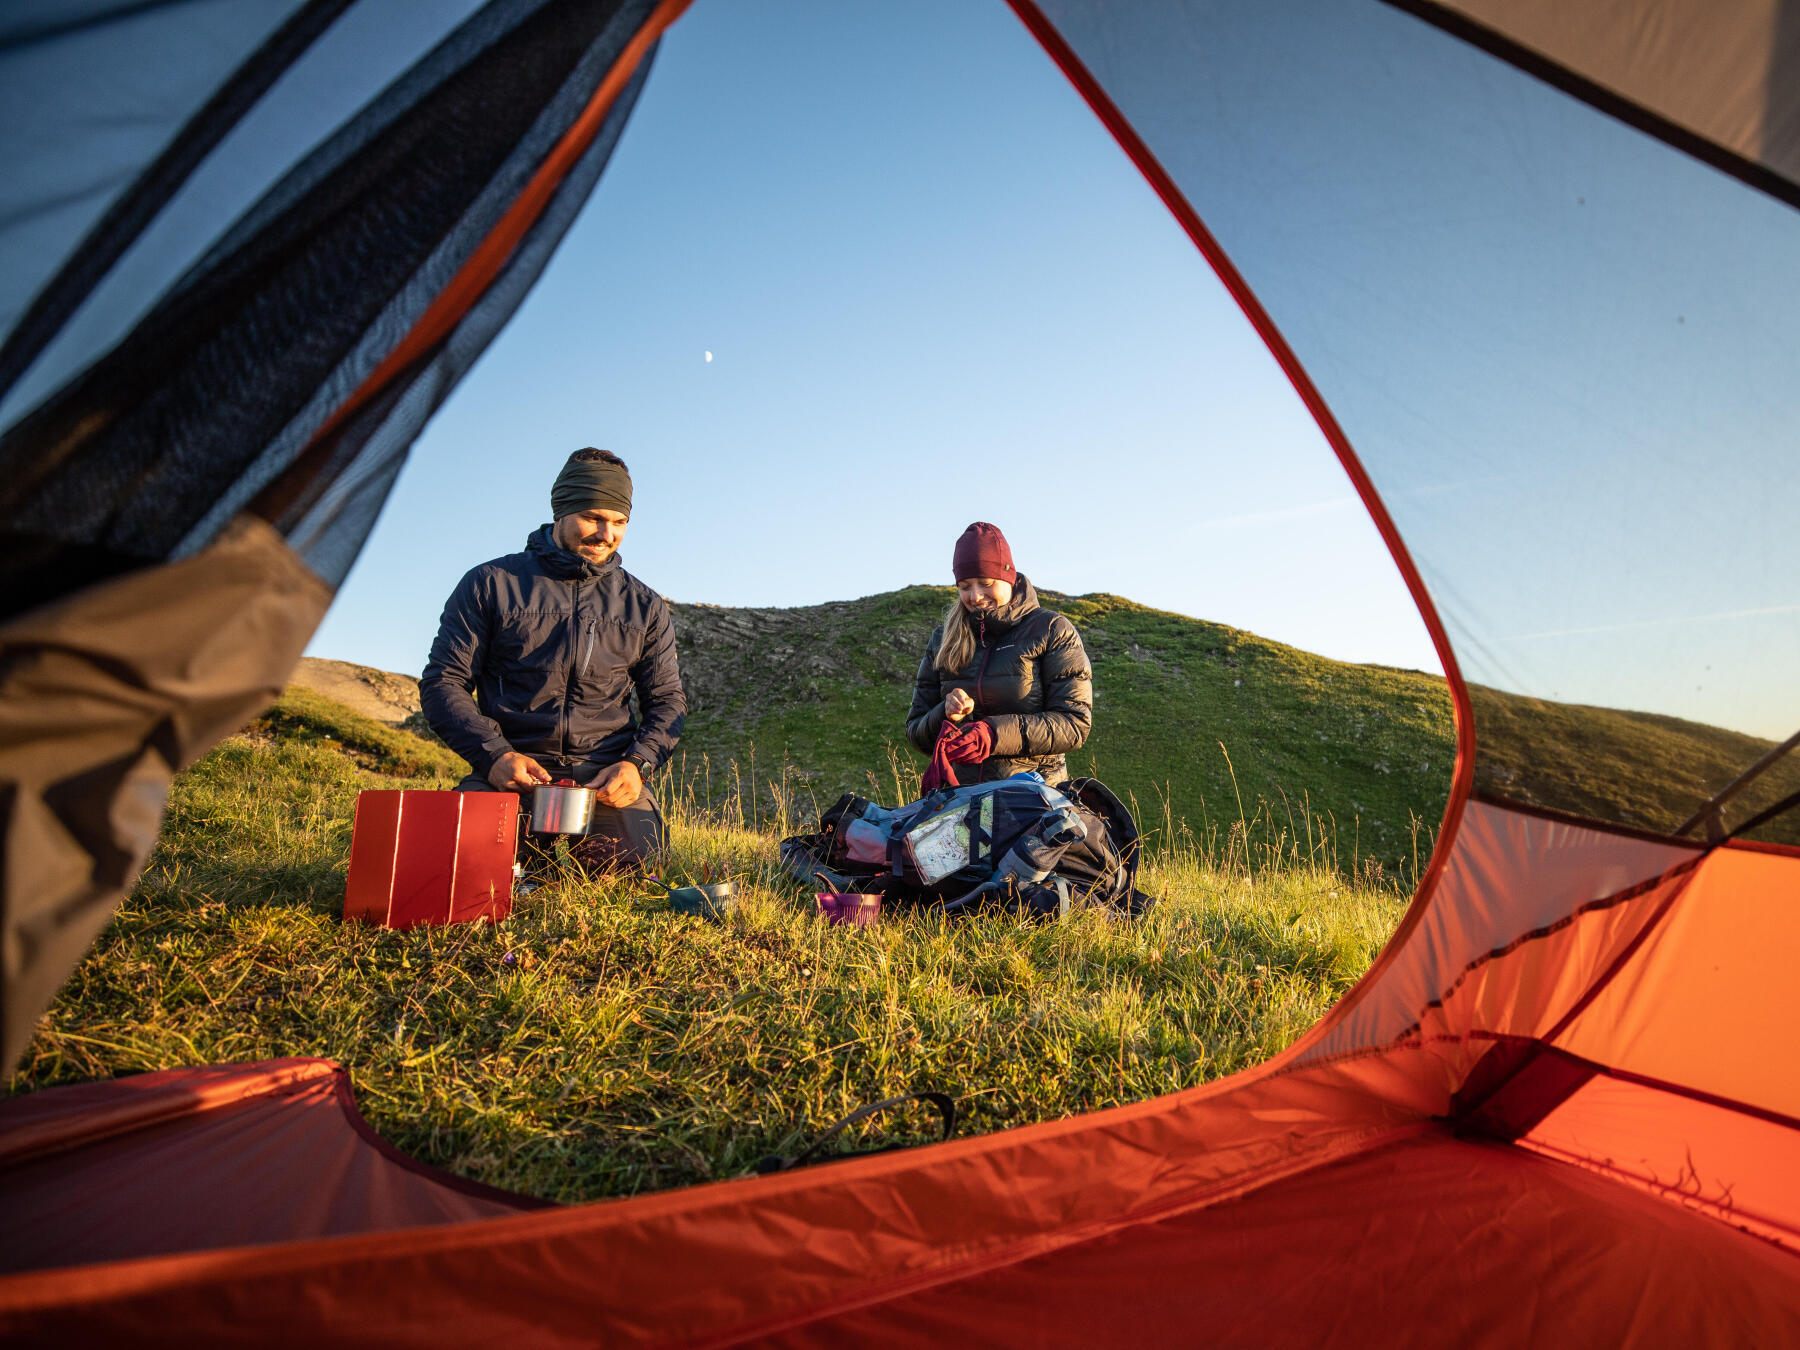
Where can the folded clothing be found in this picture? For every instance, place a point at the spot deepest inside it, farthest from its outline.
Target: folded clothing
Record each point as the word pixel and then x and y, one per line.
pixel 974 745
pixel 956 745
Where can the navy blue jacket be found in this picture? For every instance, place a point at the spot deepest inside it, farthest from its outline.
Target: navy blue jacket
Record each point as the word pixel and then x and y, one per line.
pixel 540 652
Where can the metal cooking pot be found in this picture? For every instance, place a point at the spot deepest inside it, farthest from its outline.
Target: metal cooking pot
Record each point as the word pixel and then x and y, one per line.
pixel 561 808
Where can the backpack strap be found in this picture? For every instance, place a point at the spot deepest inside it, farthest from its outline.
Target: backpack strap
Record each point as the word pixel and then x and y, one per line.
pixel 980 820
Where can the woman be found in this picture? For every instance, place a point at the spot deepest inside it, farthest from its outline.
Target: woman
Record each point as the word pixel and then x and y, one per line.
pixel 1011 676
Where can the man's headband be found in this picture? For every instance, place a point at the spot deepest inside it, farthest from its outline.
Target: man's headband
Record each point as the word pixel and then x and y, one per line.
pixel 591 485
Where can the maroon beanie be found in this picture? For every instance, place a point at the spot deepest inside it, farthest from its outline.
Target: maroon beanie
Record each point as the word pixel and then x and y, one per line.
pixel 981 551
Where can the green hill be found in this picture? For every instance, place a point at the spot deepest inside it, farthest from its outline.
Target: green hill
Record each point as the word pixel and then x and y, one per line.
pixel 820 694
pixel 1202 724
pixel 1634 768
pixel 1180 704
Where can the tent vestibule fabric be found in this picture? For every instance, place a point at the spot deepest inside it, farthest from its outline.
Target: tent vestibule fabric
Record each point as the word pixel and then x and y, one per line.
pixel 260 404
pixel 206 1157
pixel 1720 78
pixel 1531 272
pixel 104 694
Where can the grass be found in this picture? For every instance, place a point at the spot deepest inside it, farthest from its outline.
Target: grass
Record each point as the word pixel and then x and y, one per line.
pixel 597 1044
pixel 302 717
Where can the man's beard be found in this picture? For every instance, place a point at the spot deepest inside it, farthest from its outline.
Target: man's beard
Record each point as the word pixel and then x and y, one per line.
pixel 588 550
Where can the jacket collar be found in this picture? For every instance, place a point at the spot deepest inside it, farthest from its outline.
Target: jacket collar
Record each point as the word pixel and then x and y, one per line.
pixel 1023 602
pixel 558 562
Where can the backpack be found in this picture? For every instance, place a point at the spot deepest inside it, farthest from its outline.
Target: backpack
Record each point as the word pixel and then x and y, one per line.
pixel 1016 843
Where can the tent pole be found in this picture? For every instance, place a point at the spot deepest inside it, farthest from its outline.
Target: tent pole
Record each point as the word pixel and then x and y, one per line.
pixel 1710 816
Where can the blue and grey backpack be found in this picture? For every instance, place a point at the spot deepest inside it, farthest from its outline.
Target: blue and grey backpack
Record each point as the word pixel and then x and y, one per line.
pixel 1017 843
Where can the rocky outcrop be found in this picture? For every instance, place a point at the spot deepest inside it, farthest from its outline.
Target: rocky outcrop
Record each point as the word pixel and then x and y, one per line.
pixel 378 694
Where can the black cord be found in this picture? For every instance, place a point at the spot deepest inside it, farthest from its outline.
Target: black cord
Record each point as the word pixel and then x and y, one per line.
pixel 945 1104
pixel 1787 803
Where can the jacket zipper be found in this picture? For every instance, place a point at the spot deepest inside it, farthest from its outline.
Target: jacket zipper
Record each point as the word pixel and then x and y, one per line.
pixel 569 683
pixel 986 651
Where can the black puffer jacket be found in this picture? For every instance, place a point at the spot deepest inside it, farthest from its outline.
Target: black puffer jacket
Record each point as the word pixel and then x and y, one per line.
pixel 1029 677
pixel 540 651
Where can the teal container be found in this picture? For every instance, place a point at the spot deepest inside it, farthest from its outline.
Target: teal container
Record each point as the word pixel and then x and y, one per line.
pixel 706 902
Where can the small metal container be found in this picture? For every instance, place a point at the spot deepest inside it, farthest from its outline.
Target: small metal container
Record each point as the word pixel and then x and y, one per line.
pixel 561 808
pixel 706 902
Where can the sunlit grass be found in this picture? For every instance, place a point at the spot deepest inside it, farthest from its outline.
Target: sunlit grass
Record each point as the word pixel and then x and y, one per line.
pixel 598 1044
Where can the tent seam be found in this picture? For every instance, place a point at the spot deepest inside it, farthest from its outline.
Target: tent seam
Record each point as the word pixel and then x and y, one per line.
pixel 1610 102
pixel 1625 896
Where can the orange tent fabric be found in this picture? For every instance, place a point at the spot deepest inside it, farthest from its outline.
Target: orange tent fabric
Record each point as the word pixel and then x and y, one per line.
pixel 1320 1200
pixel 223 1155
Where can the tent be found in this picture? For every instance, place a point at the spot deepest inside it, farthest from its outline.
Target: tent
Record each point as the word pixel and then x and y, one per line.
pixel 1531 267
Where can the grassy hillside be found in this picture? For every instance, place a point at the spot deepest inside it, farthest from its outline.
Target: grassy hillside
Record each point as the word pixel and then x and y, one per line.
pixel 1634 768
pixel 1205 724
pixel 1199 723
pixel 303 717
pixel 598 1044
pixel 1182 707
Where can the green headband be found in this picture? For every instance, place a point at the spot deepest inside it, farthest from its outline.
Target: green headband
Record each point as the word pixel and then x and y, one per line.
pixel 590 485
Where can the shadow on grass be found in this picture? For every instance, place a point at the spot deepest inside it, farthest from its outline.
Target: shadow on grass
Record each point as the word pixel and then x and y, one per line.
pixel 315 887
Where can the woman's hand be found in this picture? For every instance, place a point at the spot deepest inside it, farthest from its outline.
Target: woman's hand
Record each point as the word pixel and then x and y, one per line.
pixel 958 704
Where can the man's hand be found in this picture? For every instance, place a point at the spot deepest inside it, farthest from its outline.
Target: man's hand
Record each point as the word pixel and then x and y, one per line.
pixel 958 704
pixel 619 785
pixel 514 772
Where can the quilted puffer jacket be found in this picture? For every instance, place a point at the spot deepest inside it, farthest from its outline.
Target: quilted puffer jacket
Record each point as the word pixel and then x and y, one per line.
pixel 541 651
pixel 1030 679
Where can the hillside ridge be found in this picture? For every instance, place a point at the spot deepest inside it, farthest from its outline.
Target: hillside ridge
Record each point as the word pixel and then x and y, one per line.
pixel 1195 720
pixel 1201 723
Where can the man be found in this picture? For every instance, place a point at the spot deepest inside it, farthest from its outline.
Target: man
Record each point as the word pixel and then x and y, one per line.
pixel 536 659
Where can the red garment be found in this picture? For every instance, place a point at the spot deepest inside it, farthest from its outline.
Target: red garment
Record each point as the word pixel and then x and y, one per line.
pixel 982 551
pixel 938 773
pixel 973 745
pixel 956 745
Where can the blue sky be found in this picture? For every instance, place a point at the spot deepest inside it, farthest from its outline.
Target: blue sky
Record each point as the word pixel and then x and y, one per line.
pixel 935 291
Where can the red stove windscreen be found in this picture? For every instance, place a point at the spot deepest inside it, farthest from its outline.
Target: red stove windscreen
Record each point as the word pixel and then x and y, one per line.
pixel 431 857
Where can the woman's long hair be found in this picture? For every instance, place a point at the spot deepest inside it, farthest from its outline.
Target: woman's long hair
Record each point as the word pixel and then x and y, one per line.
pixel 957 645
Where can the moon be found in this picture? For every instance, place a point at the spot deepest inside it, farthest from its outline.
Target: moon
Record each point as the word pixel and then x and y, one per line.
pixel 709 356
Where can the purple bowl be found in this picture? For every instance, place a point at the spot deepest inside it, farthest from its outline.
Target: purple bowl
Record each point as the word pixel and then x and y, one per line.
pixel 849 907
